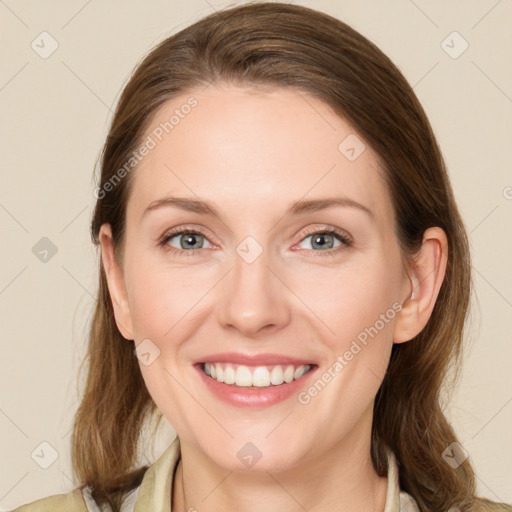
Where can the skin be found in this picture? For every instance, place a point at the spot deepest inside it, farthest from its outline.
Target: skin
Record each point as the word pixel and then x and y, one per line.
pixel 251 154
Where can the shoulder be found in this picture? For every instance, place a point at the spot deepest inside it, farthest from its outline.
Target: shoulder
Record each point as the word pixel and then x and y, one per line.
pixel 408 503
pixel 70 502
pixel 149 495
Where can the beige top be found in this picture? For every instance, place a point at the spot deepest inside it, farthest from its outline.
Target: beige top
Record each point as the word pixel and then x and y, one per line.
pixel 154 492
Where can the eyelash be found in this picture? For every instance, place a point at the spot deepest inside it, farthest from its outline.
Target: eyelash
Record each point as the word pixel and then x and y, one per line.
pixel 341 236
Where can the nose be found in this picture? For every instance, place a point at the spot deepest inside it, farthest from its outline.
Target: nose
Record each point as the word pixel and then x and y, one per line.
pixel 255 299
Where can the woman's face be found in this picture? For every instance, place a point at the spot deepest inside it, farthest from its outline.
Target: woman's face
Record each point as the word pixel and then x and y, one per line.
pixel 257 288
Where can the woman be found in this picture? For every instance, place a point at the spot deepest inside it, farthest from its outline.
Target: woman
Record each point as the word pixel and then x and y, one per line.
pixel 285 278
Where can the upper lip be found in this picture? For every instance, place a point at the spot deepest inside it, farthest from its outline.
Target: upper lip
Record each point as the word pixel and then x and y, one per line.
pixel 252 359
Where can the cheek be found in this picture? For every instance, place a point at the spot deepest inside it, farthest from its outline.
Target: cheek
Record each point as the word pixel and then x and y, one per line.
pixel 162 300
pixel 357 306
pixel 349 301
pixel 162 296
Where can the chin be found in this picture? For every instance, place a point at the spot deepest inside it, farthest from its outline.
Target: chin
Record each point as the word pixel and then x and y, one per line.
pixel 259 455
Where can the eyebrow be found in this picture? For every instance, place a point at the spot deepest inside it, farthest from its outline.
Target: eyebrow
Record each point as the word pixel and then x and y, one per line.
pixel 298 207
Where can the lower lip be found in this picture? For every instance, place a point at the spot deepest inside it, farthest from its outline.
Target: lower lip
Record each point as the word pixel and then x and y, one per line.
pixel 253 396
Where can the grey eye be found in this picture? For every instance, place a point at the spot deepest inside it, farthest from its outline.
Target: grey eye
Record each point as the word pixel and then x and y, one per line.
pixel 322 241
pixel 188 240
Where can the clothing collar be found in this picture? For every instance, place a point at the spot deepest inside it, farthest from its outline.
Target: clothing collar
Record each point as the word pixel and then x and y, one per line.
pixel 154 492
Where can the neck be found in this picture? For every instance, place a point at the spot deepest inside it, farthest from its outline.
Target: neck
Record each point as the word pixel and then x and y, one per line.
pixel 341 479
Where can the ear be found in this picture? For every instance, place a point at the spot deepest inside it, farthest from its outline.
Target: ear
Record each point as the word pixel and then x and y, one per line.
pixel 427 272
pixel 116 284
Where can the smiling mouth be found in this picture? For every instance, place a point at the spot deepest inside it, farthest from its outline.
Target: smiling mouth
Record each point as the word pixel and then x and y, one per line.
pixel 244 376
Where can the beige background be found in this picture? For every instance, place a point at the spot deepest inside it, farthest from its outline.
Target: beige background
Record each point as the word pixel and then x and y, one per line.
pixel 55 113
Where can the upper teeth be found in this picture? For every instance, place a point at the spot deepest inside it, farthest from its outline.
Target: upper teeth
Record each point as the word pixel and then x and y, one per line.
pixel 259 376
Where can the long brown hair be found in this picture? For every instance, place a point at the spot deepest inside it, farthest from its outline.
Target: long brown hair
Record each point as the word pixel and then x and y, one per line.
pixel 283 45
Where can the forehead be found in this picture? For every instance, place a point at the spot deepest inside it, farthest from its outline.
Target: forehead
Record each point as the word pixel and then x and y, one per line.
pixel 240 147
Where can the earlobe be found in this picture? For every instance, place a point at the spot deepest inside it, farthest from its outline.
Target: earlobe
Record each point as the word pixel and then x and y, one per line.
pixel 115 282
pixel 426 276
